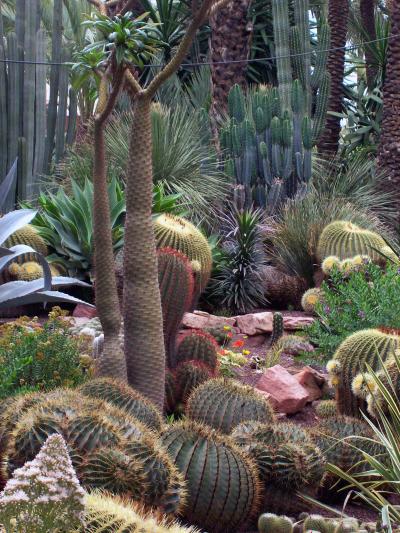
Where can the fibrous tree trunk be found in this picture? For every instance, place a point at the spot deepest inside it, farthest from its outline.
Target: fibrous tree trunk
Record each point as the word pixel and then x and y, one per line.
pixel 367 10
pixel 389 146
pixel 338 20
pixel 230 41
pixel 142 302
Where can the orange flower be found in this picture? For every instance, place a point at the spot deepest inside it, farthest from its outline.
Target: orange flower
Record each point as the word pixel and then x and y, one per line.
pixel 229 335
pixel 238 344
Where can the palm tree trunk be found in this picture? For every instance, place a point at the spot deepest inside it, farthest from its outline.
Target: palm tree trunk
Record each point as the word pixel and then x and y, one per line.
pixel 389 146
pixel 230 41
pixel 112 362
pixel 338 19
pixel 367 9
pixel 144 342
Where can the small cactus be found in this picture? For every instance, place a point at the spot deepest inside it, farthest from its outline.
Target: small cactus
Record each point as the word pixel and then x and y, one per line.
pixel 30 237
pixel 223 404
pixel 311 299
pixel 326 409
pixel 277 328
pixel 198 346
pixel 272 523
pixel 190 375
pixel 329 264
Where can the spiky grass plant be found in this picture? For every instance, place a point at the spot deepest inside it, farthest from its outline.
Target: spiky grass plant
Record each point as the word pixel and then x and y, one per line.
pixel 238 285
pixel 43 496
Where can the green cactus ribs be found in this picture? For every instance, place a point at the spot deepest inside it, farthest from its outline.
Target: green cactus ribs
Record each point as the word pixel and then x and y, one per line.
pixel 223 404
pixel 175 232
pixel 344 240
pixel 277 328
pixel 197 345
pixel 366 346
pixel 175 278
pixel 215 471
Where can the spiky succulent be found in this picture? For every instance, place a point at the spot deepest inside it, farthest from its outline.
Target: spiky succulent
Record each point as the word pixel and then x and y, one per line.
pixel 124 397
pixel 30 237
pixel 366 346
pixel 223 404
pixel 215 471
pixel 344 240
pixel 198 345
pixel 190 375
pixel 329 264
pixel 389 378
pixel 178 233
pixel 272 523
pixel 175 278
pixel 106 513
pixel 326 408
pixel 311 299
pixel 277 328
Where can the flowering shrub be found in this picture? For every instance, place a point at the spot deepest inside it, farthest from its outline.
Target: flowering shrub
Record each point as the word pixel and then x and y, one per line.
pixel 230 359
pixel 353 301
pixel 44 496
pixel 35 357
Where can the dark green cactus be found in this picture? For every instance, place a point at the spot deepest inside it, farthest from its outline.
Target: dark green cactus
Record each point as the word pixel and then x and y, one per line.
pixel 326 409
pixel 223 404
pixel 175 278
pixel 215 471
pixel 190 375
pixel 170 398
pixel 198 346
pixel 369 346
pixel 277 328
pixel 344 240
pixel 175 232
pixel 124 397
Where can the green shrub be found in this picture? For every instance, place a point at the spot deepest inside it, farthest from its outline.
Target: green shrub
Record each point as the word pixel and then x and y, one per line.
pixel 355 301
pixel 35 357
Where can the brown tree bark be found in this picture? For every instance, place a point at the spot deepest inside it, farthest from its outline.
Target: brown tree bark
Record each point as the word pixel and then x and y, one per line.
pixel 230 41
pixel 389 146
pixel 338 20
pixel 367 10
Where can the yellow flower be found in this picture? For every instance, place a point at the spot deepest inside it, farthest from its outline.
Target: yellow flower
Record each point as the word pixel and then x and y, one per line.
pixel 246 352
pixel 227 328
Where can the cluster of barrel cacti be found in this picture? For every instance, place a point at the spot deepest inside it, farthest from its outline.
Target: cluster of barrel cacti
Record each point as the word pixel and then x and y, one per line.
pixel 272 523
pixel 31 128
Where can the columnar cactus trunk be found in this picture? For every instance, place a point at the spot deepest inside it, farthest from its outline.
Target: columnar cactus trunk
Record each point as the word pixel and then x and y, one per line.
pixel 338 19
pixel 230 40
pixel 389 148
pixel 367 10
pixel 144 342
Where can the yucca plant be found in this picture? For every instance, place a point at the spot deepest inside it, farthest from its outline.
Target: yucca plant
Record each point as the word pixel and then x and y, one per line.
pixel 238 286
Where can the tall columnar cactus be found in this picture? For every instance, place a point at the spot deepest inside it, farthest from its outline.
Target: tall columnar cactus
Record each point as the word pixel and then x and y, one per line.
pixel 366 346
pixel 123 397
pixel 109 449
pixel 227 475
pixel 277 328
pixel 223 404
pixel 344 240
pixel 177 233
pixel 175 277
pixel 23 106
pixel 198 346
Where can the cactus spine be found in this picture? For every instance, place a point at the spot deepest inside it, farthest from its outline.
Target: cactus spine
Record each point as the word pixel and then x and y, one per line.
pixel 223 404
pixel 277 328
pixel 311 299
pixel 366 346
pixel 175 277
pixel 215 471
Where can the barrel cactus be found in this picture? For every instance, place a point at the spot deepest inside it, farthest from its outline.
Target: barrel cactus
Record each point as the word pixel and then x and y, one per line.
pixel 223 404
pixel 175 278
pixel 190 375
pixel 344 239
pixel 29 236
pixel 178 233
pixel 320 524
pixel 326 408
pixel 329 264
pixel 198 345
pixel 366 346
pixel 311 299
pixel 272 523
pixel 105 513
pixel 215 471
pixel 388 377
pixel 124 397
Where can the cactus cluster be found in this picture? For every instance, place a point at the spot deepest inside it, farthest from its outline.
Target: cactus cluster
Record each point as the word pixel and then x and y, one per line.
pixel 223 404
pixel 272 523
pixel 175 278
pixel 344 240
pixel 178 233
pixel 110 449
pixel 347 266
pixel 215 471
pixel 369 346
pixel 105 513
pixel 198 345
pixel 311 299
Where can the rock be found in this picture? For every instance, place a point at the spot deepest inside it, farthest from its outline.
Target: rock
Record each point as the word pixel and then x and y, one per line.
pixel 312 381
pixel 84 311
pixel 255 323
pixel 285 392
pixel 294 322
pixel 201 320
